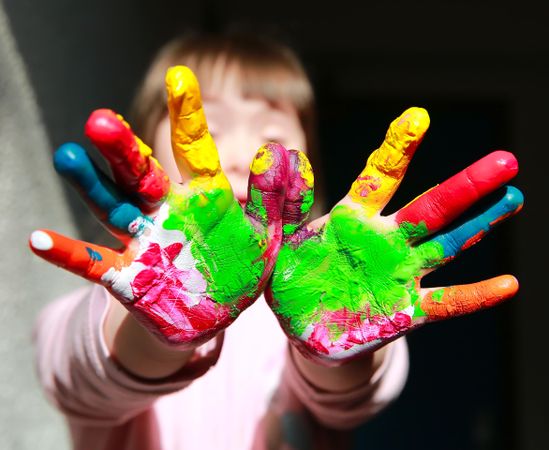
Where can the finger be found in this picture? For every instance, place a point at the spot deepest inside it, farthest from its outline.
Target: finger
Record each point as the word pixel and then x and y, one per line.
pixel 473 230
pixel 267 184
pixel 443 303
pixel 386 167
pixel 134 168
pixel 193 147
pixel 299 193
pixel 441 205
pixel 110 207
pixel 87 260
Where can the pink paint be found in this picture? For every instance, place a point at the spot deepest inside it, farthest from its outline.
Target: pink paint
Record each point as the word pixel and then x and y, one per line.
pixel 367 184
pixel 358 329
pixel 272 184
pixel 164 301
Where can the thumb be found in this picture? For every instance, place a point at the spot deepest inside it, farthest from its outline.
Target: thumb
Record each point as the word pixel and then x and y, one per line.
pixel 267 184
pixel 299 193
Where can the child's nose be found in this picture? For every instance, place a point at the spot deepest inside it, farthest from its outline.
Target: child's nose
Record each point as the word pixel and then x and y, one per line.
pixel 237 153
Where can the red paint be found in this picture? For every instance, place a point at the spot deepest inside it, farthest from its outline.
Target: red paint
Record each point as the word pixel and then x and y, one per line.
pixel 442 204
pixel 473 240
pixel 161 292
pixel 134 172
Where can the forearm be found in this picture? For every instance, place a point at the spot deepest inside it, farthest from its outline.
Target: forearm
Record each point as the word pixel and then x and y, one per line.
pixel 137 350
pixel 342 378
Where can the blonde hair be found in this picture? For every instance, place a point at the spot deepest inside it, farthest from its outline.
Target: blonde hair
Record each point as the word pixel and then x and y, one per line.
pixel 267 69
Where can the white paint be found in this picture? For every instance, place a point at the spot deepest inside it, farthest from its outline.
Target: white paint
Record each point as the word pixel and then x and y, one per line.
pixel 120 281
pixel 41 240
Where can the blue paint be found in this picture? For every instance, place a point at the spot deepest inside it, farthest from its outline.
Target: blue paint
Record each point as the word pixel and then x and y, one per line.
pixel 72 161
pixel 94 256
pixel 452 241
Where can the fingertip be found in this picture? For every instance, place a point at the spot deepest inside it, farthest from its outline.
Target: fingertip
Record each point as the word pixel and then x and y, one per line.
pixel 298 162
pixel 269 168
pixel 507 285
pixel 177 77
pixel 181 82
pixel 69 158
pixel 106 130
pixel 40 240
pixel 506 160
pixel 415 121
pixel 263 159
pixel 491 171
pixel 514 198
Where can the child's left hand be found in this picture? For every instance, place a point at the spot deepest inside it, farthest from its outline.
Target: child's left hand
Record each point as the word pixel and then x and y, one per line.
pixel 349 282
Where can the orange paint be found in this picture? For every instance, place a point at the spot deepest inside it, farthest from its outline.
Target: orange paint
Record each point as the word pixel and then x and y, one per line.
pixel 465 299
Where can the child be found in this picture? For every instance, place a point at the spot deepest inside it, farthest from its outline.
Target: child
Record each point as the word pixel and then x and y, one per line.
pixel 121 386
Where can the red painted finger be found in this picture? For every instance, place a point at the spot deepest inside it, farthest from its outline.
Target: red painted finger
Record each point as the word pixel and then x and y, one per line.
pixel 133 167
pixel 87 260
pixel 440 205
pixel 439 304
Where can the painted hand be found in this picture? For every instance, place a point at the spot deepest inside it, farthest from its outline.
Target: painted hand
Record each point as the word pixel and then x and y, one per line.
pixel 350 282
pixel 193 259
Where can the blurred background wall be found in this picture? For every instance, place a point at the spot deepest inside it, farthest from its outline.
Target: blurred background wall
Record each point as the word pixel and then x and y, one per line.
pixel 480 68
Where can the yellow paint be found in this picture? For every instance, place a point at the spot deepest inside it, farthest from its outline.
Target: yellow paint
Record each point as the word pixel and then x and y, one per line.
pixel 387 165
pixel 206 185
pixel 305 170
pixel 144 149
pixel 121 118
pixel 262 162
pixel 194 149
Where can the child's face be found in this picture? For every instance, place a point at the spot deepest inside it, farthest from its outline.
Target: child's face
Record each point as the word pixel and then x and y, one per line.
pixel 239 126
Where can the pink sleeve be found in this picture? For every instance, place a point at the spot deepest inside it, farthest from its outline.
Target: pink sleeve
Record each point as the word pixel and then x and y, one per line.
pixel 346 410
pixel 80 376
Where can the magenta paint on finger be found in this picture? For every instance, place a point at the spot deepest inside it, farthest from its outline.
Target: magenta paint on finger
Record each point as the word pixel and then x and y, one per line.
pixel 267 183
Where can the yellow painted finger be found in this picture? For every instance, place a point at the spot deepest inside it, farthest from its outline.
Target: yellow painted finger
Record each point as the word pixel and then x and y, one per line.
pixel 193 147
pixel 386 166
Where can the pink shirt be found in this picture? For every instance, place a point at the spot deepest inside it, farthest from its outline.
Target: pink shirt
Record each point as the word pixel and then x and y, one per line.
pixel 217 401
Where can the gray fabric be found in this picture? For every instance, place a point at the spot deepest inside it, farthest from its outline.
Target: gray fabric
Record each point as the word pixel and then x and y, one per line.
pixel 30 197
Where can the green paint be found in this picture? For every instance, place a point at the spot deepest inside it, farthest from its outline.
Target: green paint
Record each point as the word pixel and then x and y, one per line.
pixel 355 264
pixel 308 200
pixel 289 228
pixel 227 247
pixel 436 296
pixel 411 231
pixel 256 207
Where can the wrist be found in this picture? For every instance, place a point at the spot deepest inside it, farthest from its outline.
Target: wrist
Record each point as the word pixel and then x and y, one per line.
pixel 136 349
pixel 345 377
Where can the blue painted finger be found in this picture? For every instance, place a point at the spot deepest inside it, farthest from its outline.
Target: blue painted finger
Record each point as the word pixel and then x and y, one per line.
pixel 474 229
pixel 108 204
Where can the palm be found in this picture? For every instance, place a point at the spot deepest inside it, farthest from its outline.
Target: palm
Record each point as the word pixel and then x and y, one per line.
pixel 351 282
pixel 192 259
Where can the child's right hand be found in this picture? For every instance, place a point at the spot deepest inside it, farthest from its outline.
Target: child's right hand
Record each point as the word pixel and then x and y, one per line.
pixel 193 259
